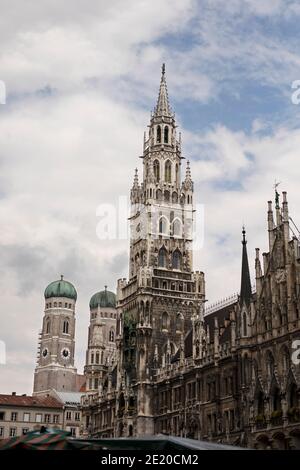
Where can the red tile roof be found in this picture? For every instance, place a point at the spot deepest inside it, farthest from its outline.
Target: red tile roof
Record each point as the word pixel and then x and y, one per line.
pixel 24 400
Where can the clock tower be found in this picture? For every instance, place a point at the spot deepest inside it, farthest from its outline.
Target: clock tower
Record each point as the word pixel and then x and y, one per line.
pixel 55 362
pixel 163 296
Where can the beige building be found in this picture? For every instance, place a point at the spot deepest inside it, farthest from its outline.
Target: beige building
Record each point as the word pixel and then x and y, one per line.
pixel 20 414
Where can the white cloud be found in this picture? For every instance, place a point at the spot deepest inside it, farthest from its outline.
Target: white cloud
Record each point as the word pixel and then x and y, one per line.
pixel 69 147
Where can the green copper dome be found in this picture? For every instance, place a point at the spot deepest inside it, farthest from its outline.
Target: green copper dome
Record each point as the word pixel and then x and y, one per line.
pixel 61 288
pixel 105 299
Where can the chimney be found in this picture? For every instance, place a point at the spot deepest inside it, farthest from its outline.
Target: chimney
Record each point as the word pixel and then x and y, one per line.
pixel 14 394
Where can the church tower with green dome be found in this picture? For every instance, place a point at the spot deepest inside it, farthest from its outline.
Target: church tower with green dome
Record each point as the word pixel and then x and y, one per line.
pixel 101 351
pixel 55 368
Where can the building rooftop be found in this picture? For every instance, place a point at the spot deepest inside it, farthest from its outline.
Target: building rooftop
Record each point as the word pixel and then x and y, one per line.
pixel 69 398
pixel 24 400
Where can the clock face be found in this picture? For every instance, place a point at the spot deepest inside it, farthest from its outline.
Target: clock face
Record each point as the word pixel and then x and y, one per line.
pixel 65 353
pixel 45 352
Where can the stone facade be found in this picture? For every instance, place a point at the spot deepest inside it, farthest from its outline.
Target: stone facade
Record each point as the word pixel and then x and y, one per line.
pixel 223 373
pixel 55 368
pixel 20 414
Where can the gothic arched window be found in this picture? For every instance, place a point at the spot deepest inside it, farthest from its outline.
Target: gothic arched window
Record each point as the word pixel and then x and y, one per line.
pixel 165 321
pixel 179 322
pixel 167 196
pixel 156 170
pixel 162 258
pixel 270 364
pixel 285 359
pixel 245 328
pixel 293 400
pixel 174 197
pixel 276 400
pixel 168 170
pixel 177 228
pixel 166 134
pixel 66 327
pixel 97 357
pixel 112 335
pixel 176 259
pixel 163 226
pixel 158 134
pixel 177 174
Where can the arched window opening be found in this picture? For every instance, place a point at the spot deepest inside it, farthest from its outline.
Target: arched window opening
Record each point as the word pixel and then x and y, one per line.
pixel 177 174
pixel 112 335
pixel 293 400
pixel 270 364
pixel 260 404
pixel 245 369
pixel 179 322
pixel 285 359
pixel 276 400
pixel 162 258
pixel 165 321
pixel 167 196
pixel 163 226
pixel 166 134
pixel 177 228
pixel 97 357
pixel 174 197
pixel 245 328
pixel 66 327
pixel 48 326
pixel 156 170
pixel 168 171
pixel 176 259
pixel 158 134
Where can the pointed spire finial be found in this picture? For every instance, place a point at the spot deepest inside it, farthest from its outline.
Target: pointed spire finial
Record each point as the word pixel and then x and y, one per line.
pixel 136 178
pixel 245 292
pixel 162 106
pixel 244 241
pixel 61 277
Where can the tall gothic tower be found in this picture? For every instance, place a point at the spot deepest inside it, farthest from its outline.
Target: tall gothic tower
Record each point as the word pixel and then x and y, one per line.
pixel 157 305
pixel 55 367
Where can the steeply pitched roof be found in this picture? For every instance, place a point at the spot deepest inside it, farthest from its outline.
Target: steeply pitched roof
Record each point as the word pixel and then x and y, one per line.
pixel 245 293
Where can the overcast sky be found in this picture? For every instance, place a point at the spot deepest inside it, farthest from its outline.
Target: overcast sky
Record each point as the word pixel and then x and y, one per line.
pixel 81 80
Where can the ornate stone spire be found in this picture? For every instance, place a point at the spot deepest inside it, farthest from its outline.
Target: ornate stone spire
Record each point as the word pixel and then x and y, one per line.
pixel 246 292
pixel 136 179
pixel 188 183
pixel 163 106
